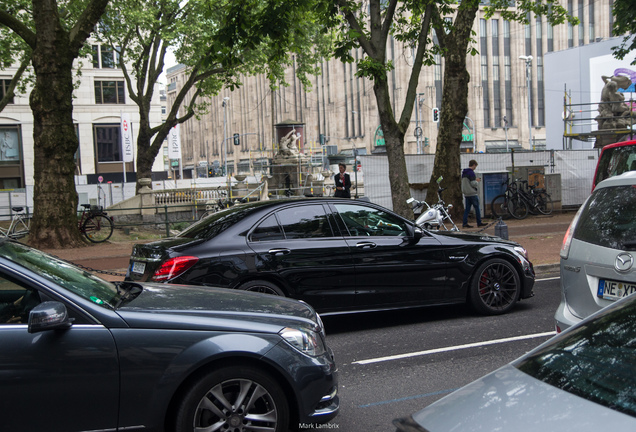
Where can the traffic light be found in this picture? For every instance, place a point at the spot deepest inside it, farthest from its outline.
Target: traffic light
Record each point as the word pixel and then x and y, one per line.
pixel 237 140
pixel 435 115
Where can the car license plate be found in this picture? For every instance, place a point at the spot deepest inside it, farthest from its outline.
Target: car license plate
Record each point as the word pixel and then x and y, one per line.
pixel 614 290
pixel 138 267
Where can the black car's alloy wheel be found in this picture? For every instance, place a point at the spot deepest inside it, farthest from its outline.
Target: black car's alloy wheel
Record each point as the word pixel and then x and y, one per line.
pixel 495 287
pixel 262 287
pixel 234 399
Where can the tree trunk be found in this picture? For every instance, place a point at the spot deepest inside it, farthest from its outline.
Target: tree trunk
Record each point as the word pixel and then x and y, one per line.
pixel 394 142
pixel 55 142
pixel 453 110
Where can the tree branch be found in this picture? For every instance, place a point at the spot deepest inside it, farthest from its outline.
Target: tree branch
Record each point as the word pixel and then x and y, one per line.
pixel 10 94
pixel 18 28
pixel 407 110
pixel 86 25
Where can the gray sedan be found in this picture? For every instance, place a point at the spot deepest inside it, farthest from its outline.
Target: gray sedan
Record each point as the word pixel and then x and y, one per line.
pixel 581 380
pixel 78 353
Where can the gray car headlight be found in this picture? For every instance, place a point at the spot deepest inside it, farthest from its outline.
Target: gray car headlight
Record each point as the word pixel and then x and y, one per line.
pixel 305 341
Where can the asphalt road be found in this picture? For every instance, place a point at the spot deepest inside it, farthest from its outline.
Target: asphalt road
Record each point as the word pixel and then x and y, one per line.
pixel 375 389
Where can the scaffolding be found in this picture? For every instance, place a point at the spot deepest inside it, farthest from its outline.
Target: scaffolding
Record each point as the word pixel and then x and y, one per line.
pixel 580 123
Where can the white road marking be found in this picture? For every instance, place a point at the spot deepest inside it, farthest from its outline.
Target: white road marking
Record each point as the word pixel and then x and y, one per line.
pixel 453 348
pixel 547 279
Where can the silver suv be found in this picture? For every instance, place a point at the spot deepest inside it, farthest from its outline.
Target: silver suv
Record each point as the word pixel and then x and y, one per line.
pixel 598 252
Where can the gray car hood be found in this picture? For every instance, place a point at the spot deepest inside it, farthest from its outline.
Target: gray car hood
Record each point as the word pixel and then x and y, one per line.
pixel 198 308
pixel 509 400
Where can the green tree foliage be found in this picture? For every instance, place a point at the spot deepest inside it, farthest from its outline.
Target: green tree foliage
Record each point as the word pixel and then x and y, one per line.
pixel 625 24
pixel 219 41
pixel 53 34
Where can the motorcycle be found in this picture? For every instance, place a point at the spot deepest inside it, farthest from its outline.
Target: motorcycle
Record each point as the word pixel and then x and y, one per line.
pixel 433 217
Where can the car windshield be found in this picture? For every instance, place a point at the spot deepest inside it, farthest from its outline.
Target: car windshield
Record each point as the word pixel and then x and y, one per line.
pixel 66 275
pixel 608 218
pixel 596 361
pixel 615 161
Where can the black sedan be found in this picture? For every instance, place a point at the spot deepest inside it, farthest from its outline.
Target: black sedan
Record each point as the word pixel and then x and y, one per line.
pixel 339 255
pixel 78 353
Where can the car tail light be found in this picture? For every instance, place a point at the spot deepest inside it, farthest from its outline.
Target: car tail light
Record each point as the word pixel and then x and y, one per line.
pixel 173 267
pixel 567 239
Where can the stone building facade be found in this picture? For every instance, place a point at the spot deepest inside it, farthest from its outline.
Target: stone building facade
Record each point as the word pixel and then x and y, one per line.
pixel 341 107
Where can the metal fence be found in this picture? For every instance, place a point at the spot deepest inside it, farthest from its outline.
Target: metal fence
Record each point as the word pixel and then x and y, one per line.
pixel 576 168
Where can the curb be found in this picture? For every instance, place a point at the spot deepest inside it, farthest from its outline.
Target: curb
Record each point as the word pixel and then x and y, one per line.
pixel 547 268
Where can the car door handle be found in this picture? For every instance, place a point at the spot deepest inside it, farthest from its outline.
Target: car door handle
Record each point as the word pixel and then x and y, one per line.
pixel 281 251
pixel 366 244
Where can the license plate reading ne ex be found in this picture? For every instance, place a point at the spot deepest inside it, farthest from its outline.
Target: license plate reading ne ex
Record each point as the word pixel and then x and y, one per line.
pixel 614 290
pixel 138 267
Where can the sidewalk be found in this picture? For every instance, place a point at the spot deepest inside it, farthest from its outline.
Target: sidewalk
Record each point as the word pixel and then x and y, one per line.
pixel 540 235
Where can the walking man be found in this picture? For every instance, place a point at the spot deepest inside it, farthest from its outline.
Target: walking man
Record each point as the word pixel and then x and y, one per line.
pixel 469 189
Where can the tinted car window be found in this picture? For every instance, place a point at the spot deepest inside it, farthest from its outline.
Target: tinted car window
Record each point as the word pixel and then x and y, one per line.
pixel 368 221
pixel 308 221
pixel 268 230
pixel 595 362
pixel 608 218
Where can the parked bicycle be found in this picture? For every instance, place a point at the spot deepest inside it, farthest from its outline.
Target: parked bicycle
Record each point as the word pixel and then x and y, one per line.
pixel 19 226
pixel 519 199
pixel 95 224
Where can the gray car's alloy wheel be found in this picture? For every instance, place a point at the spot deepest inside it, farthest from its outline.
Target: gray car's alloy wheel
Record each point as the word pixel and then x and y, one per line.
pixel 234 399
pixel 495 287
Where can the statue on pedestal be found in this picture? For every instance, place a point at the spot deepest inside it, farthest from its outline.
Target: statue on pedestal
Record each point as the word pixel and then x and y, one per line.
pixel 288 147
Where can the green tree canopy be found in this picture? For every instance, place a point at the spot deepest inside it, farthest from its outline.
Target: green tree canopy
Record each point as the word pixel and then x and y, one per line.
pixel 625 24
pixel 219 41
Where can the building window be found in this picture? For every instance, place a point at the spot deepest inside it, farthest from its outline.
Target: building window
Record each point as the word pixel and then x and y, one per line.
pixel 4 88
pixel 581 17
pixel 109 92
pixel 104 57
pixel 592 34
pixel 9 145
pixel 507 75
pixel 484 70
pixel 540 89
pixel 108 143
pixel 570 26
pixel 496 80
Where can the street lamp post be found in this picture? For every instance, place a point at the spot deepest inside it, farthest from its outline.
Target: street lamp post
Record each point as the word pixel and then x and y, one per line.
pixel 528 60
pixel 505 120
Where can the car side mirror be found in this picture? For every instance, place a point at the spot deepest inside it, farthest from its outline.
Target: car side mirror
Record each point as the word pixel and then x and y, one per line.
pixel 50 315
pixel 415 236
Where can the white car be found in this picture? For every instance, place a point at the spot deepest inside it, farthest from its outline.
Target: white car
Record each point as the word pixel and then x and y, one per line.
pixel 598 252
